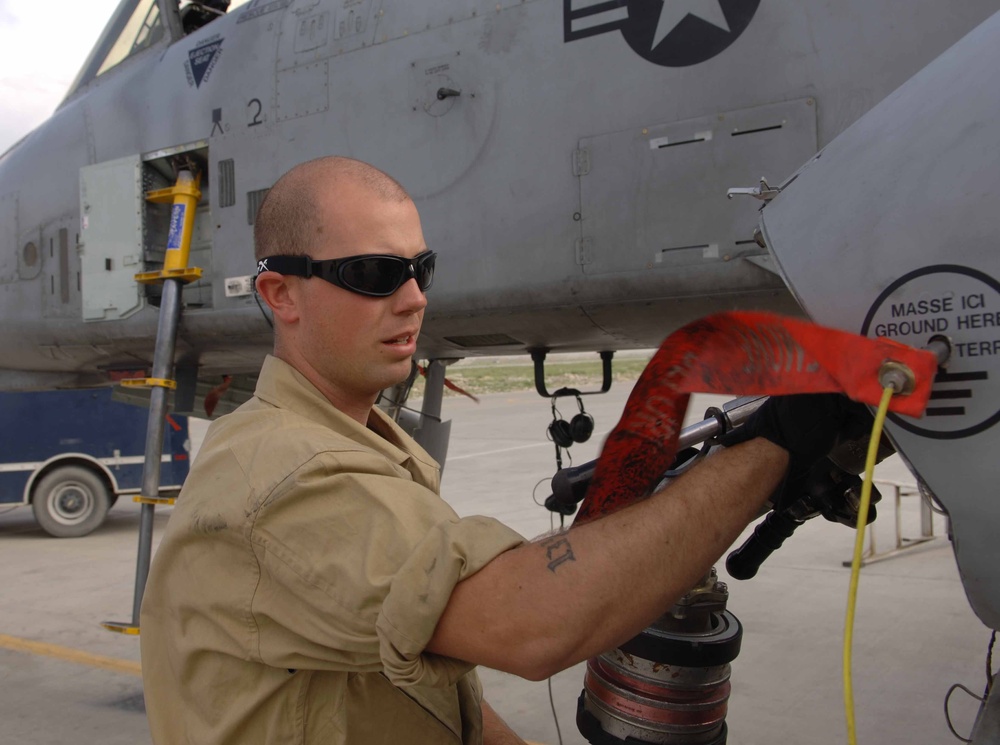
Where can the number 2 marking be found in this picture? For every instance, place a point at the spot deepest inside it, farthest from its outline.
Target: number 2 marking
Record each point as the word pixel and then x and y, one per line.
pixel 256 115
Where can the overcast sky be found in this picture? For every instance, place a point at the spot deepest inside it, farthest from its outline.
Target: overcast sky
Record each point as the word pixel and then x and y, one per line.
pixel 43 44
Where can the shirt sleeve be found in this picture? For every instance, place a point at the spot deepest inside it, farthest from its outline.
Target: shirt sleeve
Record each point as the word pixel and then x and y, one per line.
pixel 357 563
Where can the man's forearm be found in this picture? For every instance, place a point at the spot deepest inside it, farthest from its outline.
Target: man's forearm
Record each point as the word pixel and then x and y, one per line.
pixel 547 605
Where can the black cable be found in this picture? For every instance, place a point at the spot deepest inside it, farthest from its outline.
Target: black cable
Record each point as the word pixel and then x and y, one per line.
pixel 555 718
pixel 990 676
pixel 262 312
pixel 989 665
pixel 947 714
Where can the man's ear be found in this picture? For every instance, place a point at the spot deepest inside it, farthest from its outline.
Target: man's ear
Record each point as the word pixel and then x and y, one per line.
pixel 278 292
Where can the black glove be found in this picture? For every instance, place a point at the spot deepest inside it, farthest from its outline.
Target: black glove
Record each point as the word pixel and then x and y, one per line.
pixel 830 491
pixel 807 426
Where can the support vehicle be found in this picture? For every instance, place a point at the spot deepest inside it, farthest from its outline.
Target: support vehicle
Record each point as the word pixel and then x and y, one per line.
pixel 70 455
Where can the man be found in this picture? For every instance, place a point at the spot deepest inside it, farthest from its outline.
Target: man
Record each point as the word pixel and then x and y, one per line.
pixel 312 587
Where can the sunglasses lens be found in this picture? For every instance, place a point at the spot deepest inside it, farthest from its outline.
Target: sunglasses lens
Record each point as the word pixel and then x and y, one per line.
pixel 375 275
pixel 425 271
pixel 380 276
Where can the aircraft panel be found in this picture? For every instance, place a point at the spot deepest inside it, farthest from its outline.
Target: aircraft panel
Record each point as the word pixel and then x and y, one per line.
pixel 258 8
pixel 654 199
pixel 302 90
pixel 10 241
pixel 401 18
pixel 311 31
pixel 50 288
pixel 111 238
pixel 29 257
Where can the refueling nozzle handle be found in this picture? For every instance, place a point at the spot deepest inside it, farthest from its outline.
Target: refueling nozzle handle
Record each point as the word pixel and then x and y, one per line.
pixel 766 538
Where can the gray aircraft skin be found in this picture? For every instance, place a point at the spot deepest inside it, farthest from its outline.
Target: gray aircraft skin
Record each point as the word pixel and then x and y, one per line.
pixel 570 162
pixel 904 205
pixel 574 189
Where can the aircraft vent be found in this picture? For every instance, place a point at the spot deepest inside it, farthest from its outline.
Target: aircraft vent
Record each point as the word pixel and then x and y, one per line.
pixel 254 199
pixel 64 265
pixel 484 340
pixel 227 183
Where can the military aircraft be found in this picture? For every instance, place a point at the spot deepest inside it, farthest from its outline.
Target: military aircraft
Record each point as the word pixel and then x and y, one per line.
pixel 571 163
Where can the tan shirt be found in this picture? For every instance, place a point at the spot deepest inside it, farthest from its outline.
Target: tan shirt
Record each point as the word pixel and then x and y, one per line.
pixel 300 577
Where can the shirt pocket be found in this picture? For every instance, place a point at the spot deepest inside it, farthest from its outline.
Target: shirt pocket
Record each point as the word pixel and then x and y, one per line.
pixel 378 712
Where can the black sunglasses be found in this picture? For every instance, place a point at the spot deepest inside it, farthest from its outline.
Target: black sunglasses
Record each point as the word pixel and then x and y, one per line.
pixel 374 275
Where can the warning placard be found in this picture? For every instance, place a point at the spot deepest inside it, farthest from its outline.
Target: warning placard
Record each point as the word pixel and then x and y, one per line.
pixel 963 305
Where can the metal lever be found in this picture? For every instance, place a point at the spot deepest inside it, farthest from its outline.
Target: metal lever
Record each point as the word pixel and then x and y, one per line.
pixel 764 192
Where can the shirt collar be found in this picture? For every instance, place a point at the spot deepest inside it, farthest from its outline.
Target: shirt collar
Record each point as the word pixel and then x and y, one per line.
pixel 281 385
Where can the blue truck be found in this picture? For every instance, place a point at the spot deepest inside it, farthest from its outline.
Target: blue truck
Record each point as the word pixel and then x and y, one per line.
pixel 70 455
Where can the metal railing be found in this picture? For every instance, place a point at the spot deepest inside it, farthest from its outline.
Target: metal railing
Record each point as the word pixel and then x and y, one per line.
pixel 902 543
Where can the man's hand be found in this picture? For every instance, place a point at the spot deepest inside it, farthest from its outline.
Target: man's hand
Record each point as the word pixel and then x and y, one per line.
pixel 807 426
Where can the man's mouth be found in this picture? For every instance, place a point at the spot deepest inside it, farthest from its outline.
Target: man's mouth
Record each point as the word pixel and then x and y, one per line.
pixel 400 340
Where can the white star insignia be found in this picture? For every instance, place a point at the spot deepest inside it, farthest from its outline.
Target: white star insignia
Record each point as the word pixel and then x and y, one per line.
pixel 675 11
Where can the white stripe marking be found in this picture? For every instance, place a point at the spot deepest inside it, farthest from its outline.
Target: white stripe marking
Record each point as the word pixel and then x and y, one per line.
pixel 494 452
pixel 507 450
pixel 131 460
pixel 12 467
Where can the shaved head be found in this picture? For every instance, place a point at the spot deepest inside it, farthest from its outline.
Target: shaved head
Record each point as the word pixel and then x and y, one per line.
pixel 349 345
pixel 290 219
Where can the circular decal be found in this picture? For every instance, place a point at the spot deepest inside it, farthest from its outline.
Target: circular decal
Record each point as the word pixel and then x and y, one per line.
pixel 679 33
pixel 962 304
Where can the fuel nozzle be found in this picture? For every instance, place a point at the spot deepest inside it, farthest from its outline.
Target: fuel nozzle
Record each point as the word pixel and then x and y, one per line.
pixel 832 487
pixel 827 490
pixel 850 452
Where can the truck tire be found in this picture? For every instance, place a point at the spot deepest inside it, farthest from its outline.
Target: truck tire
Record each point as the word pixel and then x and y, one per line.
pixel 70 501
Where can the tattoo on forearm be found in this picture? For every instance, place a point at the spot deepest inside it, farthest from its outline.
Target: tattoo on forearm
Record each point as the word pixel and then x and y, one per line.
pixel 558 551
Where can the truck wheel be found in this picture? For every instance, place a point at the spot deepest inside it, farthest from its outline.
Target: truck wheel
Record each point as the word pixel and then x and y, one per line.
pixel 70 501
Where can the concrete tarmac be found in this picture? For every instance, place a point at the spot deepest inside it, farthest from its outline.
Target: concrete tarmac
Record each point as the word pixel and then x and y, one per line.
pixel 63 679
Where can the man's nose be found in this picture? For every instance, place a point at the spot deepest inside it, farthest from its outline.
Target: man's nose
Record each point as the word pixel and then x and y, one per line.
pixel 410 298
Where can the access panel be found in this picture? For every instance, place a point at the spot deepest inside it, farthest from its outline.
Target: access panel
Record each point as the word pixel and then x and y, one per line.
pixel 654 198
pixel 111 238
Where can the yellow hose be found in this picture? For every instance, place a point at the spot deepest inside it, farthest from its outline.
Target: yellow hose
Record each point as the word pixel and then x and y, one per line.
pixel 859 540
